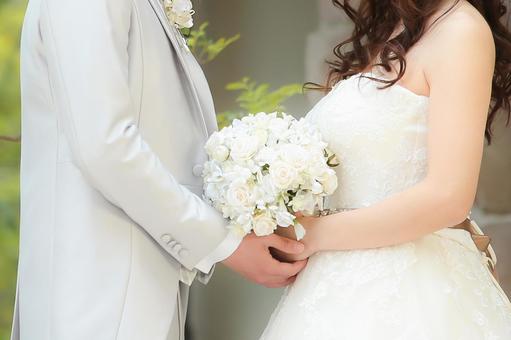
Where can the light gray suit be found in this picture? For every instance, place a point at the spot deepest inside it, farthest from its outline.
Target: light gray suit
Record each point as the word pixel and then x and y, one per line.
pixel 115 115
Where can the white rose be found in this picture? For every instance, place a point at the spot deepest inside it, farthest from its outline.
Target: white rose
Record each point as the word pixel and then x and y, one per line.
pixel 233 172
pixel 262 136
pixel 212 192
pixel 239 194
pixel 214 141
pixel 296 156
pixel 329 181
pixel 283 175
pixel 183 19
pixel 279 126
pixel 284 218
pixel 244 148
pixel 265 191
pixel 212 172
pixel 304 202
pixel 317 188
pixel 245 222
pixel 330 185
pixel 220 153
pixel 264 225
pixel 237 229
pixel 299 231
pixel 180 12
pixel 263 120
pixel 266 156
pixel 182 5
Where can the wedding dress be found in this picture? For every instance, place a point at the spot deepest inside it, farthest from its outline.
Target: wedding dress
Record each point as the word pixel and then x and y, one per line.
pixel 435 288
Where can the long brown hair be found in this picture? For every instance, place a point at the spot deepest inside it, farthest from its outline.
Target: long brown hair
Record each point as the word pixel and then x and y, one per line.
pixel 375 23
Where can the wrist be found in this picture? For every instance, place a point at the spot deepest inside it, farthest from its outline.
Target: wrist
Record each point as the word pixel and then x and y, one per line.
pixel 314 236
pixel 321 233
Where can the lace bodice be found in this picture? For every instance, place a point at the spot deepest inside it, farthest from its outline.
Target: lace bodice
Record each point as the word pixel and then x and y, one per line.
pixel 379 135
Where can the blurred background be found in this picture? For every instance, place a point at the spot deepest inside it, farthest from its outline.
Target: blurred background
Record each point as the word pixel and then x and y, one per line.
pixel 270 49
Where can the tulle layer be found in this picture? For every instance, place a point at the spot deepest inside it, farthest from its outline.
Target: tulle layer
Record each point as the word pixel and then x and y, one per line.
pixel 437 288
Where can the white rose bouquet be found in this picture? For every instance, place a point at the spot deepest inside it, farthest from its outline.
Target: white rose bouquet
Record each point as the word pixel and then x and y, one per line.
pixel 179 12
pixel 264 168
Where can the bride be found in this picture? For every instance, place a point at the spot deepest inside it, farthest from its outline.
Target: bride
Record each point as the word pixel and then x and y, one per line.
pixel 407 114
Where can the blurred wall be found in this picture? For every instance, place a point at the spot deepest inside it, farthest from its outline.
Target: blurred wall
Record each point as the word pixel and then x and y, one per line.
pixel 271 48
pixel 493 201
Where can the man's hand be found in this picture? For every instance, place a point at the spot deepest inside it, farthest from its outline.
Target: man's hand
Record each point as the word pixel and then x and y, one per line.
pixel 309 241
pixel 254 261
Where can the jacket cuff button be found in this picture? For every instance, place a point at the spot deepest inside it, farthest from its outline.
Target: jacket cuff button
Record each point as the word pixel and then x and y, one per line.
pixel 166 238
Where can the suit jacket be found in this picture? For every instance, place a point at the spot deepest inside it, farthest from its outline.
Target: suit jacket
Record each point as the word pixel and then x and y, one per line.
pixel 115 115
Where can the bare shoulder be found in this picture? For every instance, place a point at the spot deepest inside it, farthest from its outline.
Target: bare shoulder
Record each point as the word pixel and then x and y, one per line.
pixel 461 35
pixel 465 22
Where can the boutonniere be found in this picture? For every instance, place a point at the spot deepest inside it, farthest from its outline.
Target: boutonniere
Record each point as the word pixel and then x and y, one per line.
pixel 179 12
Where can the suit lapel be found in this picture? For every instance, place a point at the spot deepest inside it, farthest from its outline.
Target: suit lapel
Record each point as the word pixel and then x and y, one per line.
pixel 202 102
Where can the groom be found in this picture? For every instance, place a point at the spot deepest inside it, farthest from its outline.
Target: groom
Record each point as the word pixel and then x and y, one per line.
pixel 115 115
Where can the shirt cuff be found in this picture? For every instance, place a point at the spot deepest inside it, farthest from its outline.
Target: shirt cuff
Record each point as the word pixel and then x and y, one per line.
pixel 223 251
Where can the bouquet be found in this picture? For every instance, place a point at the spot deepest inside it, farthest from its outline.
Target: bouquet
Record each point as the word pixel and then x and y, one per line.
pixel 264 168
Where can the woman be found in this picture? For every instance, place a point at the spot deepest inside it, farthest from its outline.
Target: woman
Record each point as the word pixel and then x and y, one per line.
pixel 407 115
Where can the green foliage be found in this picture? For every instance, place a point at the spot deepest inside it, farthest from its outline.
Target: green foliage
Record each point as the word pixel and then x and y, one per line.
pixel 203 47
pixel 254 98
pixel 11 16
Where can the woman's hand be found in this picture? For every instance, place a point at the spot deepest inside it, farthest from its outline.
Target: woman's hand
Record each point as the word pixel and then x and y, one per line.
pixel 310 240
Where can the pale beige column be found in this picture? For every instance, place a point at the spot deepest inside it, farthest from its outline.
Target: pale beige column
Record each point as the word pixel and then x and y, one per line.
pixel 493 203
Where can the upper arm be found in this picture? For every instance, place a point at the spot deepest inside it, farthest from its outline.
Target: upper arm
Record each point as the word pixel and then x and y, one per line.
pixel 459 72
pixel 86 43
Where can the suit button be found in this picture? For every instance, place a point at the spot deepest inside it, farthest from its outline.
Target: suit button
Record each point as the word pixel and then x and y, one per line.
pixel 166 238
pixel 197 170
pixel 183 252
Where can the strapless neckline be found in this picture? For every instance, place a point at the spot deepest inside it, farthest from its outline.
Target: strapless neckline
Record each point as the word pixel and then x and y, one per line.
pixel 397 87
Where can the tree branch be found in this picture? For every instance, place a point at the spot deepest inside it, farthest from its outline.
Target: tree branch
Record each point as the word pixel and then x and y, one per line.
pixel 11 139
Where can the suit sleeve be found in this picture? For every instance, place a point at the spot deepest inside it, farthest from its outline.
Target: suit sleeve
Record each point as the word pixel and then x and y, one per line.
pixel 86 43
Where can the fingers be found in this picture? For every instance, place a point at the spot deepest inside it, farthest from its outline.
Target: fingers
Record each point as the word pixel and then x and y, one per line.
pixel 280 274
pixel 254 261
pixel 281 283
pixel 285 245
pixel 288 269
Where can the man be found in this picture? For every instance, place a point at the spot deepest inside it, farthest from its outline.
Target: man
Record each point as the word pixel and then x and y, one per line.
pixel 115 115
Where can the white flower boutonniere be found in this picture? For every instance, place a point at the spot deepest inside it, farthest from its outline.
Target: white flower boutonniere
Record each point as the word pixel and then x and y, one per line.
pixel 179 12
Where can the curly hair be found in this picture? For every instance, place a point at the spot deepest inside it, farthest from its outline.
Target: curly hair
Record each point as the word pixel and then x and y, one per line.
pixel 373 37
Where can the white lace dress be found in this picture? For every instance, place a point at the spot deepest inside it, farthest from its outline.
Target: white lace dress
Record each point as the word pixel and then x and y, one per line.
pixel 436 288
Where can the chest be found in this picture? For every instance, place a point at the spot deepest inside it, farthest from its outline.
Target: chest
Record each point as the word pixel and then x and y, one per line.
pixel 359 116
